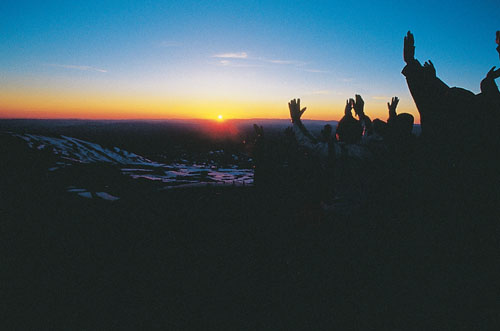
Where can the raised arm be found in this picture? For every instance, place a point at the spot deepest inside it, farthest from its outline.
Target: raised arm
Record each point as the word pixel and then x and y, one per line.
pixel 359 109
pixel 409 48
pixel 304 138
pixel 488 85
pixel 392 109
pixel 359 106
pixel 295 115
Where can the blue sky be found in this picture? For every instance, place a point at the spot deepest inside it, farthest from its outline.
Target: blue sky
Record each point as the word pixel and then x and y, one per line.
pixel 252 56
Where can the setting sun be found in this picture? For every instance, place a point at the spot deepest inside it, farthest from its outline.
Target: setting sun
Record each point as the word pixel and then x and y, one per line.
pixel 220 118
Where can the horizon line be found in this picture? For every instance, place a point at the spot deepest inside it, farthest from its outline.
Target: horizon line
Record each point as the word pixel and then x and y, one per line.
pixel 157 119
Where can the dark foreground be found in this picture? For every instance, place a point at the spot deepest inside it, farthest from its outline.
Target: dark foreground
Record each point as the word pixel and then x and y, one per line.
pixel 236 258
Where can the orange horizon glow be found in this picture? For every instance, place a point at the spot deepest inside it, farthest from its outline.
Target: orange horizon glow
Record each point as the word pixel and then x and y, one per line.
pixel 116 108
pixel 38 103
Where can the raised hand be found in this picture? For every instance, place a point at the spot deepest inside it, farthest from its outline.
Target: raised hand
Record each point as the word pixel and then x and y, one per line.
pixel 493 74
pixel 348 106
pixel 430 67
pixel 392 106
pixel 359 105
pixel 295 111
pixel 409 48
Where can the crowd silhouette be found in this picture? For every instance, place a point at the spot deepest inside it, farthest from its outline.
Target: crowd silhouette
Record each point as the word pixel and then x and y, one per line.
pixel 367 162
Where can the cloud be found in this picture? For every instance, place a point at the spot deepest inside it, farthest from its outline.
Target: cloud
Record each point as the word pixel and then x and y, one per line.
pixel 281 61
pixel 227 63
pixel 317 71
pixel 240 55
pixel 76 67
pixel 244 56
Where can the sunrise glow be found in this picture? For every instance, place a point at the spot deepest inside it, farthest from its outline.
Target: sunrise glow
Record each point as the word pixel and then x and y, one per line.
pixel 168 59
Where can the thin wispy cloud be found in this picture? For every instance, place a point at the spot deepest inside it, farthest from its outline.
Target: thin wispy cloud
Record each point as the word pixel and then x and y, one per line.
pixel 281 61
pixel 228 63
pixel 239 55
pixel 317 71
pixel 76 67
pixel 244 56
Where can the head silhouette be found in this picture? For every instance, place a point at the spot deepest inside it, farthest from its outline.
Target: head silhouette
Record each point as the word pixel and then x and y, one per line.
pixel 404 124
pixel 380 127
pixel 326 132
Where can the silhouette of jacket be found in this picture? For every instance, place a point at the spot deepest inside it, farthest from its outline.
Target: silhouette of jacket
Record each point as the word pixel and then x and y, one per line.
pixel 444 111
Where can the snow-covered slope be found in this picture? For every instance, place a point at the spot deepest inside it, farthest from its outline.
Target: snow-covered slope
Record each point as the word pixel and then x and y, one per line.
pixel 82 151
pixel 76 151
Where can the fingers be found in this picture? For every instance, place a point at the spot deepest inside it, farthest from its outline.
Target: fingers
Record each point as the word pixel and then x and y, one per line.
pixel 411 38
pixel 303 110
pixel 491 73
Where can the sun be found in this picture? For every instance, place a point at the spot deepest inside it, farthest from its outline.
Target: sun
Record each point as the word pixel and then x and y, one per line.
pixel 220 118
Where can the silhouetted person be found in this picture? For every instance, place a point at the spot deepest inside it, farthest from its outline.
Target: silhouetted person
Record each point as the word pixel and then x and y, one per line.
pixel 318 169
pixel 399 126
pixel 459 135
pixel 349 129
pixel 343 163
pixel 444 111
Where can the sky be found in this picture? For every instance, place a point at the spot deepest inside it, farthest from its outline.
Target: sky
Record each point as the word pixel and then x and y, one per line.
pixel 239 59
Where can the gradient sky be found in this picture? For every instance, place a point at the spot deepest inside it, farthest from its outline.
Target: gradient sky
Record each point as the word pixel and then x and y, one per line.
pixel 241 59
